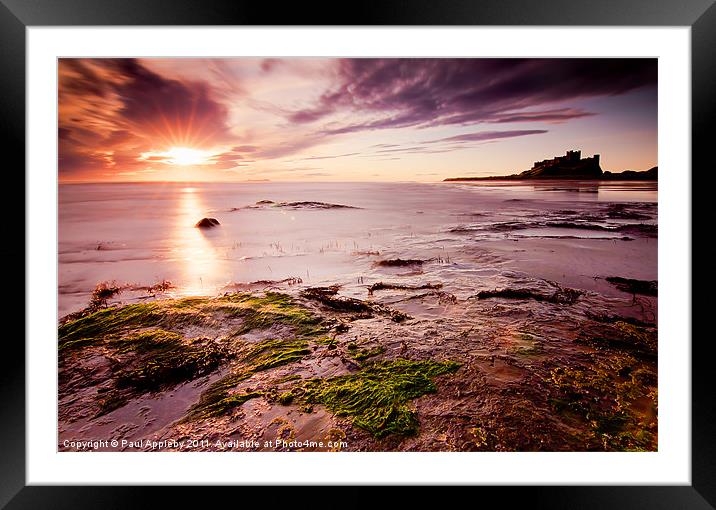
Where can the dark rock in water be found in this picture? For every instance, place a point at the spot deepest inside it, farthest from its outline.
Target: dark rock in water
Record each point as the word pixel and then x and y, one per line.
pixel 314 205
pixel 207 223
pixel 641 229
pixel 308 204
pixel 399 262
pixel 328 297
pixel 624 212
pixel 561 296
pixel 645 287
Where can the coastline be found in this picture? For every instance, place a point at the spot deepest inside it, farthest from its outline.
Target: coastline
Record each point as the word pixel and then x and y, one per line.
pixel 500 307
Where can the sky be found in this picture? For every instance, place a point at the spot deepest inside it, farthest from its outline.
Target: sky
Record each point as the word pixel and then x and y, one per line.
pixel 310 119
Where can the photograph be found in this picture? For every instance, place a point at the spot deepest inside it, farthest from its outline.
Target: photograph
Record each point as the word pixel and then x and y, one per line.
pixel 357 254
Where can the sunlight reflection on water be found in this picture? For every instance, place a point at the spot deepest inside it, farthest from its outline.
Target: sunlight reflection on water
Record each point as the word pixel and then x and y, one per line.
pixel 200 262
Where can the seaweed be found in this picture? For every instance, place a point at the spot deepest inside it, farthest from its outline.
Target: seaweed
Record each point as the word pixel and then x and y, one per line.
pixel 219 399
pixel 92 327
pixel 611 319
pixel 264 312
pixel 620 211
pixel 291 280
pixel 638 339
pixel 162 359
pixel 152 360
pixel 398 286
pixel 604 395
pixel 313 205
pixel 306 204
pixel 146 355
pixel 328 297
pixel 399 262
pixel 561 296
pixel 364 354
pixel 102 292
pixel 376 398
pixel 632 286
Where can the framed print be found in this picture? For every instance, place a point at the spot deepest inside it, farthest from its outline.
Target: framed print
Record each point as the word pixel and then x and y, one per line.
pixel 424 247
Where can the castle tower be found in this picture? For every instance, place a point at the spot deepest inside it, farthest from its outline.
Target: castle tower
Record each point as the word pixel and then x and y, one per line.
pixel 574 155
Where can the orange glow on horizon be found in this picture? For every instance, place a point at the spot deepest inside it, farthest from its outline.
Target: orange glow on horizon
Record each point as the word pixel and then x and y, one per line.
pixel 181 156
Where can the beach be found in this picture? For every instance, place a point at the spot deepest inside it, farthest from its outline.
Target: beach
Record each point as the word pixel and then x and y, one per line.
pixel 495 316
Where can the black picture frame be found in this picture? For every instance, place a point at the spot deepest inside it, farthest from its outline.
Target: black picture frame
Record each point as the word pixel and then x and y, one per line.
pixel 17 15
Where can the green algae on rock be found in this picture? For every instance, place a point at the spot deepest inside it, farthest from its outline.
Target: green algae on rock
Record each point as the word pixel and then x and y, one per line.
pixel 256 312
pixel 219 399
pixel 153 360
pixel 262 312
pixel 607 396
pixel 638 339
pixel 148 349
pixel 377 397
pixel 363 354
pixel 95 327
pixel 162 358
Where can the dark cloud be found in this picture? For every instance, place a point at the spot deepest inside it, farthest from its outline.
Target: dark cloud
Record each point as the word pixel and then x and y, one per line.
pixel 431 92
pixel 447 144
pixel 553 116
pixel 78 77
pixel 124 105
pixel 168 108
pixel 488 135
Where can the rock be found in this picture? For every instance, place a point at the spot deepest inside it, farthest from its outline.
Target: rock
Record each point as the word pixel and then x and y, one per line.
pixel 207 223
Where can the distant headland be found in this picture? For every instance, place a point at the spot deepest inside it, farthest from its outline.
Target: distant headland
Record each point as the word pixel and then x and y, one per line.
pixel 569 166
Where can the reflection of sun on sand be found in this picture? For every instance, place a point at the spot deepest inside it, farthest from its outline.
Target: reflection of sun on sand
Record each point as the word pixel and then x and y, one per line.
pixel 201 267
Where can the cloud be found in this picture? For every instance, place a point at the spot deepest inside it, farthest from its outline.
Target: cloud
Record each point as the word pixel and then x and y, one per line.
pixel 448 144
pixel 332 156
pixel 552 116
pixel 180 112
pixel 439 92
pixel 246 111
pixel 488 135
pixel 112 110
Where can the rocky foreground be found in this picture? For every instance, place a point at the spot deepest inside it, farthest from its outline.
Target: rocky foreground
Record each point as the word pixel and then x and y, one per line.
pixel 532 368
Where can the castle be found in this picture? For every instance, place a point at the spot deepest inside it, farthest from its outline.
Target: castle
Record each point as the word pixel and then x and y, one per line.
pixel 571 164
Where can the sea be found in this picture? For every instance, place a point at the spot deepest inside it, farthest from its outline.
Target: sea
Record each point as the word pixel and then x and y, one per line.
pixel 465 236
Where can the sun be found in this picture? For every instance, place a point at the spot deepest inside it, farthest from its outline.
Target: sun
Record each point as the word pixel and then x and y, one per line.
pixel 185 156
